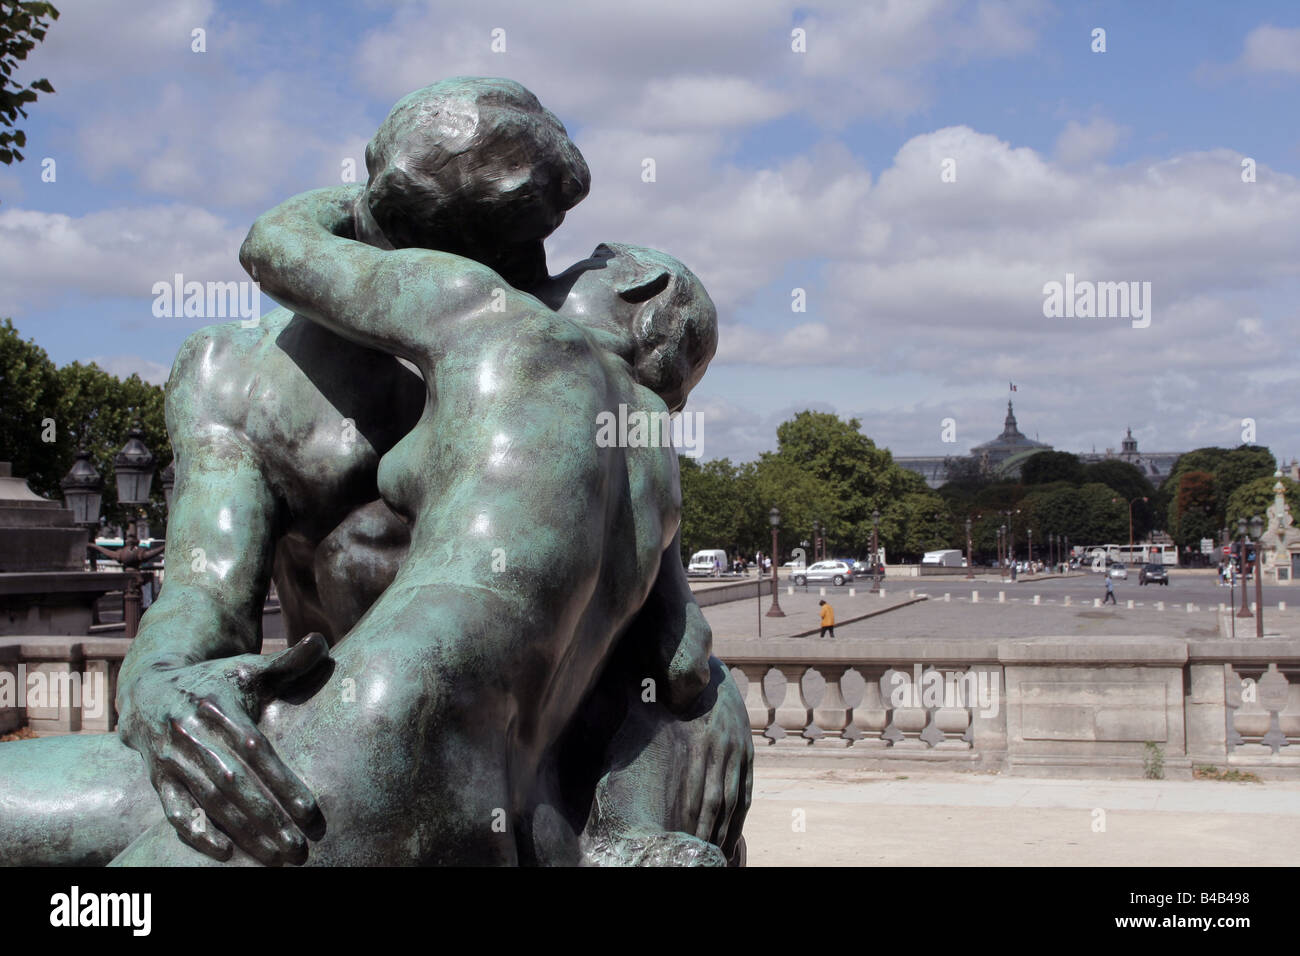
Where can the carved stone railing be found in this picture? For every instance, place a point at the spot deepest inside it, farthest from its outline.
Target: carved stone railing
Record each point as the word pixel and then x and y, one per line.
pixel 1048 705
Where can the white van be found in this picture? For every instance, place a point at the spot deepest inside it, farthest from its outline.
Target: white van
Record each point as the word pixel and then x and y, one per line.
pixel 948 558
pixel 711 562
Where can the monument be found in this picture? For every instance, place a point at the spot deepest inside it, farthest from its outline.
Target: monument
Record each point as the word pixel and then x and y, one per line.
pixel 495 654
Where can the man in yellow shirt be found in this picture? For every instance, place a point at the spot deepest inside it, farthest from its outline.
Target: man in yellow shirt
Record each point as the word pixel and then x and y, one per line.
pixel 828 619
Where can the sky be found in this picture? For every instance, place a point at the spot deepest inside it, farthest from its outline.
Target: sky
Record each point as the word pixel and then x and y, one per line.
pixel 912 173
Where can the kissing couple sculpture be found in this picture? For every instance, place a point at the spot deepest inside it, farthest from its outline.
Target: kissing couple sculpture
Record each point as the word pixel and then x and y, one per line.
pixel 495 657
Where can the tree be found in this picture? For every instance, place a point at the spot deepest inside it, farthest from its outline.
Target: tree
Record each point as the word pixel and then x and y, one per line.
pixel 1128 483
pixel 28 404
pixel 47 413
pixel 22 26
pixel 1195 510
pixel 719 507
pixel 1255 498
pixel 1049 466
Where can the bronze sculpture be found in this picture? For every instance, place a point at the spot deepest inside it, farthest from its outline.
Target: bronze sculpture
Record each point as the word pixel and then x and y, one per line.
pixel 497 708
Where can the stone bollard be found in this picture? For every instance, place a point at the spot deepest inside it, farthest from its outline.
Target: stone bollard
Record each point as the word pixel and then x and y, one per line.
pixel 1190 607
pixel 1281 605
pixel 911 592
pixel 947 597
pixel 1222 607
pixel 1036 597
pixel 821 592
pixel 974 597
pixel 1129 604
pixel 853 592
pixel 1160 605
pixel 1067 601
pixel 1002 597
pixel 1096 602
pixel 1254 608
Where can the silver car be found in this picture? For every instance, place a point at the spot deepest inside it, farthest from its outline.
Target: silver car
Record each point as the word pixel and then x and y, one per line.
pixel 834 572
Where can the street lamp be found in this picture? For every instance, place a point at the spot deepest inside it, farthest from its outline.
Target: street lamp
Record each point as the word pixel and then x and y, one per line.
pixel 82 487
pixel 83 491
pixel 970 563
pixel 133 466
pixel 1242 530
pixel 1002 550
pixel 774 516
pixel 875 552
pixel 1130 521
pixel 1031 545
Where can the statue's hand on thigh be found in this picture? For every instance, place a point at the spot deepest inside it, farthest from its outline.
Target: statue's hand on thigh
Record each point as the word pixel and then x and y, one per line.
pixel 196 728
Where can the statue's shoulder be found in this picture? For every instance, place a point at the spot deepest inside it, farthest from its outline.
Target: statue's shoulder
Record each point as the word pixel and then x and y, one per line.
pixel 213 362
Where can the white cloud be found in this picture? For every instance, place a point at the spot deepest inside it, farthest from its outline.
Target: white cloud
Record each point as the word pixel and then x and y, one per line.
pixel 116 253
pixel 1270 49
pixel 1082 143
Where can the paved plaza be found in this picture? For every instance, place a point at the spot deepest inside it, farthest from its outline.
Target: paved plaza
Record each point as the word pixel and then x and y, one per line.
pixel 933 818
pixel 1156 611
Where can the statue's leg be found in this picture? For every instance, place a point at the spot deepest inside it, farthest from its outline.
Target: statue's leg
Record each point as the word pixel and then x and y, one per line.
pixel 676 789
pixel 404 746
pixel 75 800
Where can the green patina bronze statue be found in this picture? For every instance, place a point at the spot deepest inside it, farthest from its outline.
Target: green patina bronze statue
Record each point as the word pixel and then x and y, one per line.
pixel 500 660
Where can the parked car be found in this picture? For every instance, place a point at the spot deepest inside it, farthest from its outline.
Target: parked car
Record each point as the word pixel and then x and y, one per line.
pixel 1154 574
pixel 1118 570
pixel 835 572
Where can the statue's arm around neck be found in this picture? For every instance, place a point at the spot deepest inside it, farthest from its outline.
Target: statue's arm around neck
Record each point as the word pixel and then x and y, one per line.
pixel 395 301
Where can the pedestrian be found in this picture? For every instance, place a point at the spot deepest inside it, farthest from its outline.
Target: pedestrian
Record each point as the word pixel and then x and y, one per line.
pixel 828 619
pixel 1110 591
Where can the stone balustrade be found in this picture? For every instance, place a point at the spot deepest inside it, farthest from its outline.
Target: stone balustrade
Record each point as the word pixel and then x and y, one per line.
pixel 1049 705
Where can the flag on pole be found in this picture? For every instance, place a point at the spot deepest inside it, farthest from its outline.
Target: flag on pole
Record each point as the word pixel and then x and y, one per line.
pixel 1013 385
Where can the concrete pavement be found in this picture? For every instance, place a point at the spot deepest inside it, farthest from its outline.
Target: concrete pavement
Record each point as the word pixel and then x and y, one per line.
pixel 866 818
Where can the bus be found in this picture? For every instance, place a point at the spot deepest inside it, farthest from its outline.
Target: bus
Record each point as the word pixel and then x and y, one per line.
pixel 1139 554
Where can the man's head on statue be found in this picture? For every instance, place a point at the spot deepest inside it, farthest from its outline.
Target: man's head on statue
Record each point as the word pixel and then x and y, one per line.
pixel 470 165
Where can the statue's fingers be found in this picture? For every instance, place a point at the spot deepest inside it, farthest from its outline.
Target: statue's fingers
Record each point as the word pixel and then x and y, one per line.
pixel 190 820
pixel 252 747
pixel 219 812
pixel 713 804
pixel 245 793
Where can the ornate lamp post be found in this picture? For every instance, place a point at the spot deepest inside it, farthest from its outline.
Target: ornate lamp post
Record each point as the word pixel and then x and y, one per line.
pixel 1002 551
pixel 1241 533
pixel 970 561
pixel 134 466
pixel 774 516
pixel 817 539
pixel 1256 531
pixel 1250 533
pixel 1031 545
pixel 875 552
pixel 83 491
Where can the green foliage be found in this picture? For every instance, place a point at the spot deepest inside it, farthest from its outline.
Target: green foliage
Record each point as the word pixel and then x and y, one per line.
pixel 75 405
pixel 1230 467
pixel 1194 511
pixel 22 26
pixel 720 508
pixel 1153 761
pixel 1255 497
pixel 1049 466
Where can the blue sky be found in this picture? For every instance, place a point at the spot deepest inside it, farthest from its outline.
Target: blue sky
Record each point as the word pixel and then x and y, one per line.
pixel 775 170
